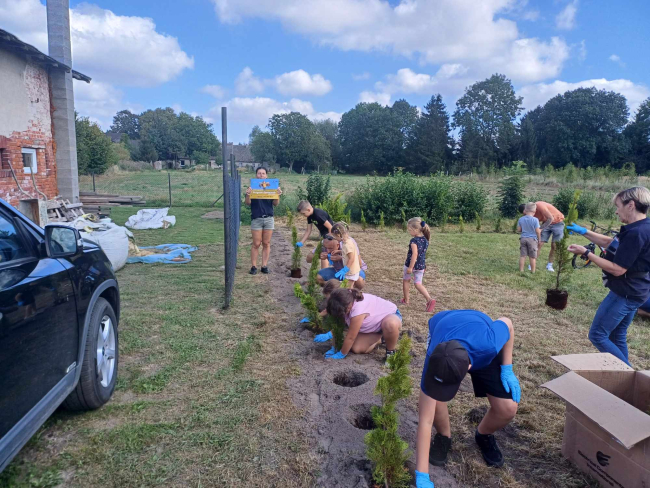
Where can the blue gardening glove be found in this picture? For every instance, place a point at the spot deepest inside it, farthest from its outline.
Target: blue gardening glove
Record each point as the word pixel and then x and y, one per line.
pixel 510 382
pixel 576 228
pixel 323 337
pixel 329 260
pixel 330 352
pixel 299 244
pixel 338 355
pixel 341 274
pixel 422 480
pixel 305 320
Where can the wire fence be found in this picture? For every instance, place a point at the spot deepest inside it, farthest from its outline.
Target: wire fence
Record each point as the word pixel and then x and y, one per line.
pixel 177 188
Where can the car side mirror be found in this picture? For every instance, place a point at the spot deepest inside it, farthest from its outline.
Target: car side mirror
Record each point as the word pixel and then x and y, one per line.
pixel 62 241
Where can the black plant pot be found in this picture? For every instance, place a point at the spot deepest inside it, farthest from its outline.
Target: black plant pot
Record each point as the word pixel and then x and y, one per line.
pixel 296 273
pixel 557 299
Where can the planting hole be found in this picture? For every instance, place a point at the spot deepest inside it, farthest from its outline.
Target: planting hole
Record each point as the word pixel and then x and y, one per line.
pixel 361 417
pixel 350 379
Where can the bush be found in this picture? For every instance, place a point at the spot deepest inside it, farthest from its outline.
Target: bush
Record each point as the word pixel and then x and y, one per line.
pixel 288 203
pixel 511 194
pixel 335 207
pixel 318 190
pixel 402 194
pixel 497 224
pixel 469 199
pixel 589 204
pixel 478 223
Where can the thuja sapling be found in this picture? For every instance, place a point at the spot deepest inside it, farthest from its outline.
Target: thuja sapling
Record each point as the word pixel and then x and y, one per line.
pixel 461 224
pixel 296 257
pixel 387 451
pixel 364 223
pixel 310 304
pixel 289 218
pixel 382 224
pixel 312 284
pixel 478 222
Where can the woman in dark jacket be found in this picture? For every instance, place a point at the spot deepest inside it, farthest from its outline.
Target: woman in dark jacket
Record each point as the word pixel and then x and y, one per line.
pixel 626 267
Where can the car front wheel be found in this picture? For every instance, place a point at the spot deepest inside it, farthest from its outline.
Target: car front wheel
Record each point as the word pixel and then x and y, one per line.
pixel 101 356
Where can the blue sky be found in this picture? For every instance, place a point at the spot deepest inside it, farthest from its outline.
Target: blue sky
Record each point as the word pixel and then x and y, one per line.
pixel 321 57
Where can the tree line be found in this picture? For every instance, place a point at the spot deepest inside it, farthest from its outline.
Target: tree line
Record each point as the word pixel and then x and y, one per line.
pixel 585 127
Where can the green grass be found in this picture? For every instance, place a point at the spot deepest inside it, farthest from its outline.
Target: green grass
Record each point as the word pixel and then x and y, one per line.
pixel 188 399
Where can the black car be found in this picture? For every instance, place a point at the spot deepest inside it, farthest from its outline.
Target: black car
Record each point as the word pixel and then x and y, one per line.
pixel 59 311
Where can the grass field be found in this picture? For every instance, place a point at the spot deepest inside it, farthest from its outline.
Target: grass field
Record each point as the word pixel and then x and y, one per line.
pixel 202 393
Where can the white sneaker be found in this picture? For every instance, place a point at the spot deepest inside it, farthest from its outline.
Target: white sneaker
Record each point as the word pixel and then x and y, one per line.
pixel 529 268
pixel 549 267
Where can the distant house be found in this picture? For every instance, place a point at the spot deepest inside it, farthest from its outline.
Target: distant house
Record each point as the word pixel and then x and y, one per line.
pixel 243 156
pixel 184 162
pixel 38 153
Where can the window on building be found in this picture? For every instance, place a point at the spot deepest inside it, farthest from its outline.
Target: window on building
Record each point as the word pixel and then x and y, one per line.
pixel 29 160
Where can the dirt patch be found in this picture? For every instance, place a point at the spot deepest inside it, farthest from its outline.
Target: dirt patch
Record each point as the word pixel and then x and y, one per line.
pixel 216 214
pixel 361 416
pixel 350 379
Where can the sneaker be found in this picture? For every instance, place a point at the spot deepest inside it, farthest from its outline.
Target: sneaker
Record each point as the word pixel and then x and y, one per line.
pixel 489 448
pixel 388 354
pixel 549 267
pixel 253 270
pixel 440 447
pixel 265 270
pixel 529 268
pixel 431 305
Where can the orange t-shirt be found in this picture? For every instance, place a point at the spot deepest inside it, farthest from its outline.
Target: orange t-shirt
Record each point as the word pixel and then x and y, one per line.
pixel 542 208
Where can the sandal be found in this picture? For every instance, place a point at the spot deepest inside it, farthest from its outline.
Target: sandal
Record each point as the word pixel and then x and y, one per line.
pixel 431 305
pixel 403 302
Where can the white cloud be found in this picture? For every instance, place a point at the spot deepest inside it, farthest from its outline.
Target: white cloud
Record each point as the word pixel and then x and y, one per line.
pixel 216 91
pixel 258 110
pixel 247 83
pixel 177 107
pixel 617 59
pixel 361 76
pixel 124 50
pixel 100 101
pixel 540 93
pixel 582 50
pixel 566 19
pixel 408 81
pixel 299 82
pixel 466 32
pixel 530 15
pixel 372 97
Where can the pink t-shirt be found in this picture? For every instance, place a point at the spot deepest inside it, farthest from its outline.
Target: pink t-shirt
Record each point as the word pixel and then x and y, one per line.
pixel 376 308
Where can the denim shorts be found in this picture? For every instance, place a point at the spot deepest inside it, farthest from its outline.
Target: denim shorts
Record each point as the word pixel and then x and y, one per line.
pixel 263 223
pixel 556 229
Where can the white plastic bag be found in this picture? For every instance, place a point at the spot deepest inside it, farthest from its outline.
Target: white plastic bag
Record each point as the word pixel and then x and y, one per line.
pixel 114 242
pixel 151 218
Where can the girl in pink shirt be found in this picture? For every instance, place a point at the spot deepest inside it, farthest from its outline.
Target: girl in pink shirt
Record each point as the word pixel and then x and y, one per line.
pixel 368 317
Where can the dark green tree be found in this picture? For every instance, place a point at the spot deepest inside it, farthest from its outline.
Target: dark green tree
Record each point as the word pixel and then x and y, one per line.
pixel 528 141
pixel 370 138
pixel 583 127
pixel 296 141
pixel 262 147
pixel 126 122
pixel 147 152
pixel 485 115
pixel 94 148
pixel 330 131
pixel 159 127
pixel 638 135
pixel 406 119
pixel 430 149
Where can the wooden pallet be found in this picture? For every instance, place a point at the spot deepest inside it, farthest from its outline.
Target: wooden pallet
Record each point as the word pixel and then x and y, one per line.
pixel 61 210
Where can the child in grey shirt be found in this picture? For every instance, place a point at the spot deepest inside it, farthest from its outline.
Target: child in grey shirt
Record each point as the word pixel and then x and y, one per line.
pixel 530 238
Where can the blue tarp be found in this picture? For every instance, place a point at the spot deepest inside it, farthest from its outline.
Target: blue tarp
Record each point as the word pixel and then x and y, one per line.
pixel 173 254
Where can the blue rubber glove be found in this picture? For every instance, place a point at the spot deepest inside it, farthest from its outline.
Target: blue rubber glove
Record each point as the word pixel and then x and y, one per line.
pixel 299 244
pixel 329 260
pixel 323 337
pixel 510 382
pixel 341 274
pixel 576 228
pixel 338 355
pixel 330 352
pixel 422 480
pixel 305 320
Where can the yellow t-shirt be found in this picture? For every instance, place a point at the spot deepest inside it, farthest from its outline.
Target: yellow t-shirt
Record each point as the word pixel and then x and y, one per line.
pixel 351 262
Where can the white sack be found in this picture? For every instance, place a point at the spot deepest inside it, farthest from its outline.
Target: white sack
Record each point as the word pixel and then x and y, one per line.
pixel 151 218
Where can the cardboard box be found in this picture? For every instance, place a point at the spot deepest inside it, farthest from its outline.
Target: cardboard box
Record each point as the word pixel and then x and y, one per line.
pixel 607 426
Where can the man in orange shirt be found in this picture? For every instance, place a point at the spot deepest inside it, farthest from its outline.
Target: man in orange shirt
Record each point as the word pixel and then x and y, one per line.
pixel 552 222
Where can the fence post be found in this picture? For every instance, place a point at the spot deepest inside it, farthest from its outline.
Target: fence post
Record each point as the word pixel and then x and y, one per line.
pixel 169 179
pixel 228 272
pixel 93 173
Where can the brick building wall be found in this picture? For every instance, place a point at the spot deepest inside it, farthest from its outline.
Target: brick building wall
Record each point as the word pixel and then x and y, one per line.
pixel 25 93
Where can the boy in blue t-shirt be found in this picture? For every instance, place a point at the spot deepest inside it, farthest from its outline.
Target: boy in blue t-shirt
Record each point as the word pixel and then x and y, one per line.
pixel 531 235
pixel 462 341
